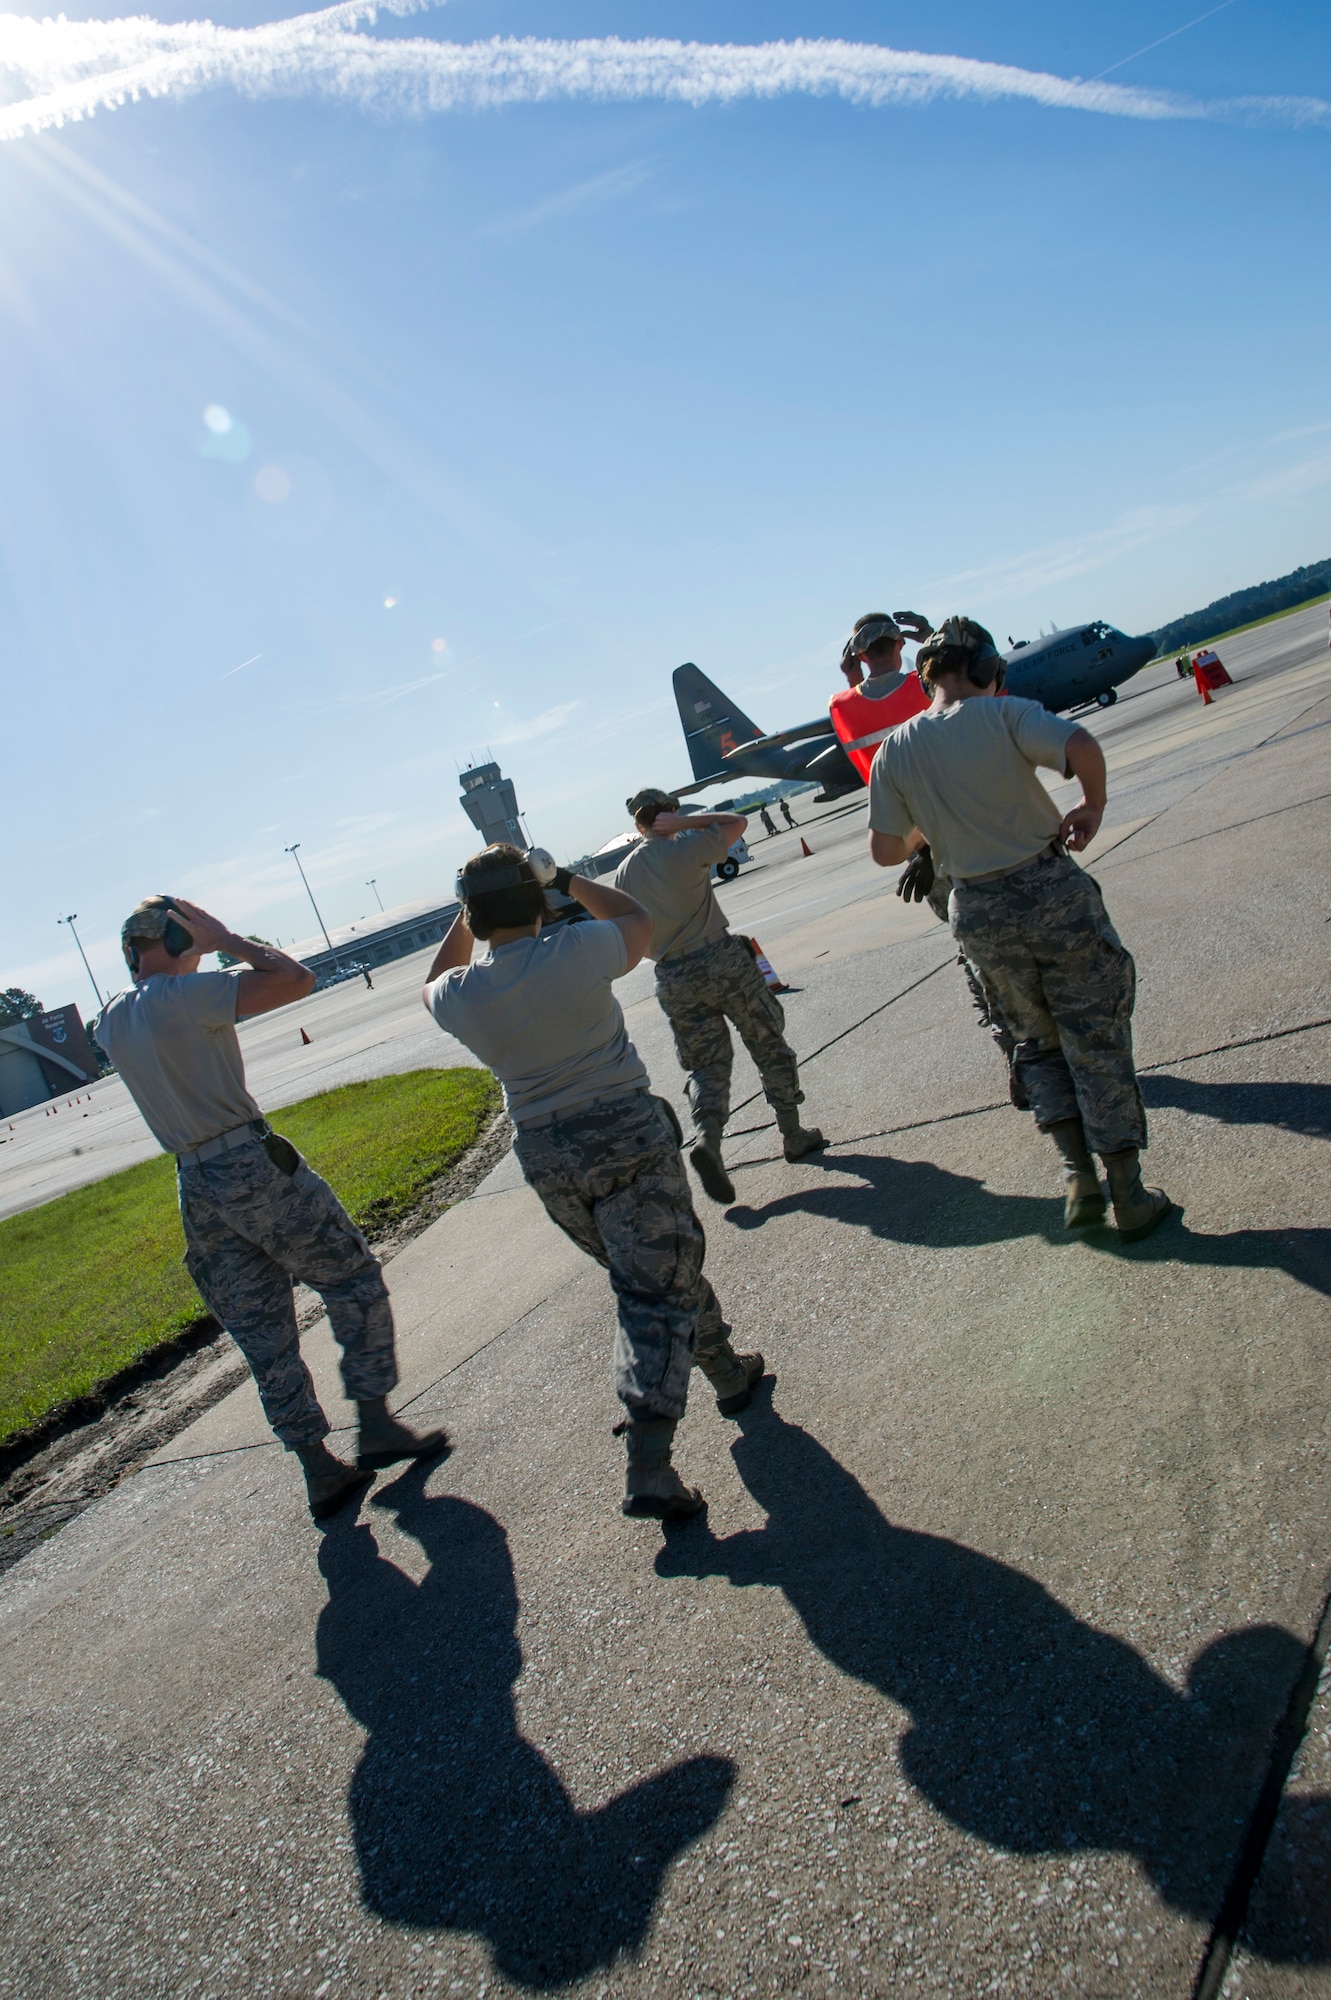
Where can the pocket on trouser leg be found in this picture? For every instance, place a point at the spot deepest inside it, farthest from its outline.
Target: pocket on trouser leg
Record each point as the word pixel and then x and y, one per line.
pixel 671 1118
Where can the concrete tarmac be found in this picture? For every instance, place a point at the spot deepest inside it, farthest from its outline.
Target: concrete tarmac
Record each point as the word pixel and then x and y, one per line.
pixel 970 1678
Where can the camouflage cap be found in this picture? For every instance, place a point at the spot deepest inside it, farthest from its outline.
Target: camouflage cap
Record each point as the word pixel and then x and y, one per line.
pixel 874 625
pixel 964 635
pixel 149 920
pixel 652 795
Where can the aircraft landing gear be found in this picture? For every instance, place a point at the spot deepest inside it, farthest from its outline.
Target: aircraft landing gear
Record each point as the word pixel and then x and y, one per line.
pixel 1107 699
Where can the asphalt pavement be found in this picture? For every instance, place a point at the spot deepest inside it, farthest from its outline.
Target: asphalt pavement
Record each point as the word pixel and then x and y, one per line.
pixel 972 1676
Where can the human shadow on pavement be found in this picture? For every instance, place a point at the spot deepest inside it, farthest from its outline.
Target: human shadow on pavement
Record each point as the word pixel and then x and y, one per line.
pixel 914 1201
pixel 1290 1107
pixel 1028 1728
pixel 458 1821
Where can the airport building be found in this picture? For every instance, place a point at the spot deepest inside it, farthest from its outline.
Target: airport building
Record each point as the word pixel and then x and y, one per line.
pixel 490 803
pixel 377 940
pixel 46 1056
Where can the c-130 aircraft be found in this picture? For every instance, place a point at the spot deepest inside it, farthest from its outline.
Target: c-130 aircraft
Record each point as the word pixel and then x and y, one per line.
pixel 1063 669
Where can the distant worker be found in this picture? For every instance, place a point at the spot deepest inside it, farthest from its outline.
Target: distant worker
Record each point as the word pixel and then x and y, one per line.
pixel 786 814
pixel 962 776
pixel 255 1216
pixel 706 976
pixel 767 821
pixel 597 1148
pixel 873 652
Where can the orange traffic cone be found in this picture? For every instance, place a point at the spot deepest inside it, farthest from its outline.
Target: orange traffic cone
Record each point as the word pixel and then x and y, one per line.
pixel 305 1038
pixel 764 964
pixel 805 847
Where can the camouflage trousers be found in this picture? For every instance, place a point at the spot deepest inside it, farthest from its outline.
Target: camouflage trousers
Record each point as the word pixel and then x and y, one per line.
pixel 698 994
pixel 250 1230
pixel 612 1179
pixel 983 998
pixel 1042 941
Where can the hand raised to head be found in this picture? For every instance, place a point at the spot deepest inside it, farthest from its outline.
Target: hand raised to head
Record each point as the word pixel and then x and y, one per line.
pixel 208 933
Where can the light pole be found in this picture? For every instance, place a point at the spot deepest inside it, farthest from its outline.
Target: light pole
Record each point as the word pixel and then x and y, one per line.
pixel 313 905
pixel 84 956
pixel 373 883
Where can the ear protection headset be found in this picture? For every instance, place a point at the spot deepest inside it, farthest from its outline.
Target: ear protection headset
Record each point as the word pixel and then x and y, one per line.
pixel 985 665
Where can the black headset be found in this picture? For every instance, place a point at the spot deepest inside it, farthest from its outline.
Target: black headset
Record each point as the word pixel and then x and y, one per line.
pixel 176 939
pixel 983 667
pixel 987 667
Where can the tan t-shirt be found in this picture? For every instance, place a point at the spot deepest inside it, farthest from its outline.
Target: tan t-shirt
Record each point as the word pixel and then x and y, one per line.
pixel 539 1012
pixel 173 1040
pixel 672 879
pixel 965 776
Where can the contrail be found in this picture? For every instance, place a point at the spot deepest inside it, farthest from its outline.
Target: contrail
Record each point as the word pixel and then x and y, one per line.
pixel 56 71
pixel 1160 40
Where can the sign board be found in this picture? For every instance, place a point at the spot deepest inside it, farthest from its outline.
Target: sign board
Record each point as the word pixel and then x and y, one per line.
pixel 60 1034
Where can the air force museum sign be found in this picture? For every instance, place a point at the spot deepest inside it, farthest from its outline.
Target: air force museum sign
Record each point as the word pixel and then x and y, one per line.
pixel 43 1057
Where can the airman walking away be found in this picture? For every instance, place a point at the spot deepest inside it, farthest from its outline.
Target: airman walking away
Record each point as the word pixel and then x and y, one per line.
pixel 255 1216
pixel 786 814
pixel 871 658
pixel 706 976
pixel 961 777
pixel 767 821
pixel 600 1151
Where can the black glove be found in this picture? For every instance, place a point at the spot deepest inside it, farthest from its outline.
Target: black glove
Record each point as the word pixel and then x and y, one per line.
pixel 917 877
pixel 913 625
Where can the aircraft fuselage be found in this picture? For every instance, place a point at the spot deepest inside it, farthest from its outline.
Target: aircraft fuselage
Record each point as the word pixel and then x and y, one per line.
pixel 1084 664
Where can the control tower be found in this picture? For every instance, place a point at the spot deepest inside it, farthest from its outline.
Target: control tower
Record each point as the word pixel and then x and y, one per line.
pixel 491 804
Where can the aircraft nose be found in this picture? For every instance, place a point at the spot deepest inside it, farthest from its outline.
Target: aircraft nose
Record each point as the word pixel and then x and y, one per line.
pixel 1143 652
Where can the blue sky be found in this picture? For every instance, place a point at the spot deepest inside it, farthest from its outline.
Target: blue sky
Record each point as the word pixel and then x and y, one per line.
pixel 590 387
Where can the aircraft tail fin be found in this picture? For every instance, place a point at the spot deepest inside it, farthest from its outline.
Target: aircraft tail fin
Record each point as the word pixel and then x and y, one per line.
pixel 712 723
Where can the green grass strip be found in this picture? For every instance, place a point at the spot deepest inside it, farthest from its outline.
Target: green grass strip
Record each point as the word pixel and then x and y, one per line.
pixel 93 1280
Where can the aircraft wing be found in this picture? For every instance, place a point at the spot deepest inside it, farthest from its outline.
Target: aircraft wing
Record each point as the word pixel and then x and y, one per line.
pixel 701 784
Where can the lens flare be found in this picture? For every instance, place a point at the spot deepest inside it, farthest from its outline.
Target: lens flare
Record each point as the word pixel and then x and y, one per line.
pixel 272 484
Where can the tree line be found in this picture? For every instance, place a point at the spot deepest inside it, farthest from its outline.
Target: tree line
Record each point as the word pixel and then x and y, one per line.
pixel 1244 607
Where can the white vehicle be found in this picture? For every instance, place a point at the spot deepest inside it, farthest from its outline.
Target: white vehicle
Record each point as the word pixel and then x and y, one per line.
pixel 729 866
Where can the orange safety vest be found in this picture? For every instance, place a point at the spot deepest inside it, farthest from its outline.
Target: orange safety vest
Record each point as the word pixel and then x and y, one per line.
pixel 864 715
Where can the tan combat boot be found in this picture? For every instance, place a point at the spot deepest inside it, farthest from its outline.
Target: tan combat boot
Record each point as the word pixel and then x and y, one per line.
pixel 329 1483
pixel 1137 1209
pixel 733 1376
pixel 382 1440
pixel 797 1139
pixel 708 1164
pixel 1085 1204
pixel 653 1486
